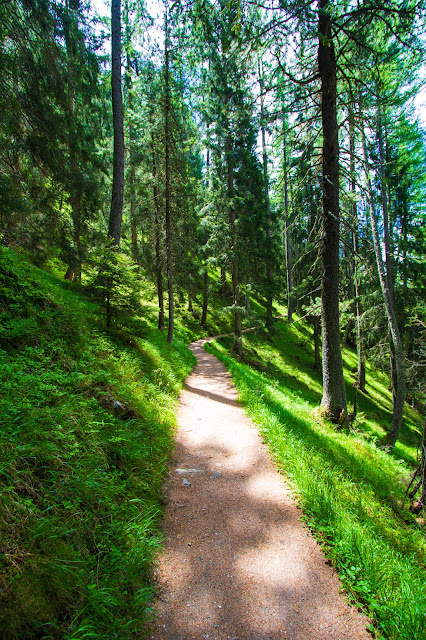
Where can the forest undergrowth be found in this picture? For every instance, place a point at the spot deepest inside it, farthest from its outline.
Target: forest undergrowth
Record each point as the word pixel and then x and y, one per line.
pixel 86 431
pixel 350 490
pixel 87 419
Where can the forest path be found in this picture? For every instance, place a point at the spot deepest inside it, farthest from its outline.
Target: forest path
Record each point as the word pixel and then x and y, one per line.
pixel 237 562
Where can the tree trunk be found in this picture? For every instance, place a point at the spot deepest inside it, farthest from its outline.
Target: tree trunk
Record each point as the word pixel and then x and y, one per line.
pixel 399 394
pixel 238 338
pixel 167 185
pixel 317 352
pixel 75 201
pixel 358 307
pixel 158 256
pixel 287 230
pixel 334 395
pixel 203 321
pixel 223 287
pixel 360 382
pixel 75 191
pixel 269 278
pixel 132 195
pixel 116 212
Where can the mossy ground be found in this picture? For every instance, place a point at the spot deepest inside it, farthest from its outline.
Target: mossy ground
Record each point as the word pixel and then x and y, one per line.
pixel 80 476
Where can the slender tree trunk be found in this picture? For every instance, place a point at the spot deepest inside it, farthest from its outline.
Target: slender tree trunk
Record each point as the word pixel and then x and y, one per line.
pixel 334 395
pixel 387 246
pixel 269 276
pixel 116 212
pixel 223 287
pixel 317 352
pixel 203 321
pixel 358 306
pixel 190 305
pixel 132 195
pixel 399 395
pixel 158 253
pixel 287 229
pixel 117 196
pixel 75 192
pixel 360 383
pixel 238 338
pixel 384 197
pixel 76 220
pixel 167 186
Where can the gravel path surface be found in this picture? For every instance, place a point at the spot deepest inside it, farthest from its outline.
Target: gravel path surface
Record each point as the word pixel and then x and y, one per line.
pixel 237 562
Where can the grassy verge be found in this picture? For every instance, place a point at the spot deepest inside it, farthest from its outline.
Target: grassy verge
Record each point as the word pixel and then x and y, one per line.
pixel 349 488
pixel 85 434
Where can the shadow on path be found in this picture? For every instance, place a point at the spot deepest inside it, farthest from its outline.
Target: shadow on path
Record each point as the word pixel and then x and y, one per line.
pixel 237 563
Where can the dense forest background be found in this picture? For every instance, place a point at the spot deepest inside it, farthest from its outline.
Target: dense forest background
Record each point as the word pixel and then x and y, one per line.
pixel 232 160
pixel 271 143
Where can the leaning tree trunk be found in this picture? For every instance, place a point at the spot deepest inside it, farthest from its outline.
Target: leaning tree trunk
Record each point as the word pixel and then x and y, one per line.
pixel 334 396
pixel 399 391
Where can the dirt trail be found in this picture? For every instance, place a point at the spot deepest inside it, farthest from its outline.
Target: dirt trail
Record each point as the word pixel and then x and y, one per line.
pixel 237 563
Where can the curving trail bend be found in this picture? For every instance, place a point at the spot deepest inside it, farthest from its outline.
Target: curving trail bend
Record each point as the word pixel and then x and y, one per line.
pixel 237 562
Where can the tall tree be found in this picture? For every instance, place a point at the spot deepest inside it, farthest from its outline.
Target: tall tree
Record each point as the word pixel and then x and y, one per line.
pixel 399 395
pixel 167 141
pixel 334 395
pixel 116 211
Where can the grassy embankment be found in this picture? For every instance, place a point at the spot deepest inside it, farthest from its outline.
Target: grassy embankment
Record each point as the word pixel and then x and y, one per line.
pixel 350 490
pixel 80 475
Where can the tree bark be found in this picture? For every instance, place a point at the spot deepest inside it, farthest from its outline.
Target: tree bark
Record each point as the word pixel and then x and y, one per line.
pixel 133 226
pixel 116 211
pixel 399 392
pixel 287 230
pixel 238 338
pixel 203 321
pixel 358 306
pixel 317 351
pixel 360 382
pixel 334 395
pixel 158 256
pixel 269 277
pixel 167 185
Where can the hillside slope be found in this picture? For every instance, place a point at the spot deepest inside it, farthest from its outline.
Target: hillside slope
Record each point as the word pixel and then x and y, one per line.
pixel 86 421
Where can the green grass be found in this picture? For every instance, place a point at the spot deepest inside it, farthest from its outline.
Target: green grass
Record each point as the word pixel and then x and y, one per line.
pixel 350 490
pixel 80 479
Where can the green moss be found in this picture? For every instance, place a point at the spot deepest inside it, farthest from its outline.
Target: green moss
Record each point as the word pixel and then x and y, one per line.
pixel 80 482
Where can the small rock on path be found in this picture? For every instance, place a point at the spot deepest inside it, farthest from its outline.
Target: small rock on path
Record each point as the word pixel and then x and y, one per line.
pixel 237 563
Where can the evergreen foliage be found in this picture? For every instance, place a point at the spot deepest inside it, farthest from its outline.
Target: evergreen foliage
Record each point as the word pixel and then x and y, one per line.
pixel 230 190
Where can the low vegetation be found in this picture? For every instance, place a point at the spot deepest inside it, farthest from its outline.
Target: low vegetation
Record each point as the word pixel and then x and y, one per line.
pixel 350 489
pixel 86 423
pixel 87 419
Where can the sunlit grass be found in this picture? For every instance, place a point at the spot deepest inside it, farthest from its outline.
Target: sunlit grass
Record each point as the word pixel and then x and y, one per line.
pixel 350 489
pixel 80 483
